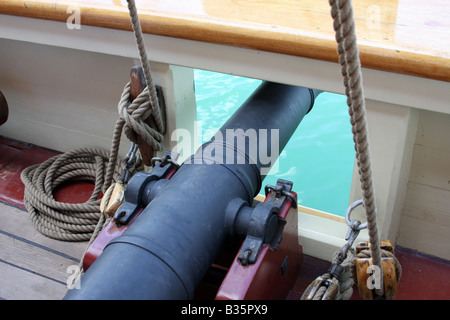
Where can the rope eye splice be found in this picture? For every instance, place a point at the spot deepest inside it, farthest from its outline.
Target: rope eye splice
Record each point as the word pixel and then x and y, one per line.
pixel 337 282
pixel 354 227
pixel 350 266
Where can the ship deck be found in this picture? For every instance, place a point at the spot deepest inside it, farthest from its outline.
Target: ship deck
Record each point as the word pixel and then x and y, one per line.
pixel 290 42
pixel 35 267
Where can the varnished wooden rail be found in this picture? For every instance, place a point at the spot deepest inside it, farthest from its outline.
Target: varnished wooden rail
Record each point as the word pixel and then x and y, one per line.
pixel 402 36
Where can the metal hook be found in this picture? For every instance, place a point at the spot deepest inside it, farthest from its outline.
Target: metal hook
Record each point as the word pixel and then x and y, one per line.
pixel 354 227
pixel 351 223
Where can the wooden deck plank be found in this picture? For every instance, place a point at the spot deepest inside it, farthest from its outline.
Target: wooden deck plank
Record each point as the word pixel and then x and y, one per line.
pixel 34 258
pixel 391 33
pixel 16 221
pixel 21 284
pixel 33 266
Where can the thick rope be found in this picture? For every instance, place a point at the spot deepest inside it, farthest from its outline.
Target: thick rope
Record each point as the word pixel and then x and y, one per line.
pixel 81 222
pixel 130 122
pixel 344 283
pixel 344 26
pixel 62 220
pixel 131 114
pixel 145 66
pixel 348 276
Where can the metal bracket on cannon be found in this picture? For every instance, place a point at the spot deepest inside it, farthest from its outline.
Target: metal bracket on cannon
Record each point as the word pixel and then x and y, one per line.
pixel 260 224
pixel 135 198
pixel 270 256
pixel 163 168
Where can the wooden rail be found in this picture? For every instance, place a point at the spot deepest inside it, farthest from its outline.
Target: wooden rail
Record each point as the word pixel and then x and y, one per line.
pixel 402 36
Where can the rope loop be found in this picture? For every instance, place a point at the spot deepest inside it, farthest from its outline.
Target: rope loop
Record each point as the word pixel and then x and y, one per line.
pixel 62 220
pixel 151 90
pixel 337 283
pixel 133 114
pixel 82 221
pixel 342 276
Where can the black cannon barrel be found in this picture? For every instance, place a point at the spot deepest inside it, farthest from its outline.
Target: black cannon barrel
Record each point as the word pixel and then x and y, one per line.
pixel 166 252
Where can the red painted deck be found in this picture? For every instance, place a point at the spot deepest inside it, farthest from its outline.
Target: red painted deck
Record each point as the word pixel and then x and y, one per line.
pixel 424 277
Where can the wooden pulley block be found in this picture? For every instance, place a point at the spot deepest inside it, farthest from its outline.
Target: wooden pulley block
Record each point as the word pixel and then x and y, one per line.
pixel 137 85
pixel 115 200
pixel 369 276
pixel 384 245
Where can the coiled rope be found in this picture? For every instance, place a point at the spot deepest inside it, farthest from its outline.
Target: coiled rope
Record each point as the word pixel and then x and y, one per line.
pixel 83 221
pixel 62 220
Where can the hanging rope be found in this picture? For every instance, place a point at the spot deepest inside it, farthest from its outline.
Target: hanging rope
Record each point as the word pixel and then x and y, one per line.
pixel 344 26
pixel 146 104
pixel 156 110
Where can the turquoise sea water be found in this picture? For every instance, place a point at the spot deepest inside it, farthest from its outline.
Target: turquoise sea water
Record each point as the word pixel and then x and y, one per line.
pixel 318 158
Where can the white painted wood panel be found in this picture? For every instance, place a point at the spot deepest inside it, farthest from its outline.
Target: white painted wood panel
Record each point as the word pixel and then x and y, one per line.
pixel 65 99
pixel 424 236
pixel 425 222
pixel 55 98
pixel 428 203
pixel 431 167
pixel 392 131
pixel 379 85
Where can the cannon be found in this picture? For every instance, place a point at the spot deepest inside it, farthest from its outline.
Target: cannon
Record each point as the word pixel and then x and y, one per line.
pixel 176 220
